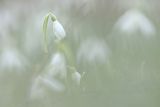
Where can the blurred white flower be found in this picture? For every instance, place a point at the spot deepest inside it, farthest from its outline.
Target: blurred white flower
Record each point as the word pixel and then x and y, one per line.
pixel 93 50
pixel 48 79
pixel 42 84
pixel 57 66
pixel 36 90
pixel 76 78
pixel 11 59
pixel 53 84
pixel 58 30
pixel 134 21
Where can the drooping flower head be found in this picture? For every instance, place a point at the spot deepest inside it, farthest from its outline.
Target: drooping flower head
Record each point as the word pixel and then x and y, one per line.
pixel 58 30
pixel 134 21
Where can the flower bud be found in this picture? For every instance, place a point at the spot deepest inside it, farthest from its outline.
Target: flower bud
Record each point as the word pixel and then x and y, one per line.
pixel 76 77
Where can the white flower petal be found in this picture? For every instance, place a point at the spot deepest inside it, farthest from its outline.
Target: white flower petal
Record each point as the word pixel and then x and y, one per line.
pixel 37 91
pixel 54 84
pixel 58 30
pixel 43 83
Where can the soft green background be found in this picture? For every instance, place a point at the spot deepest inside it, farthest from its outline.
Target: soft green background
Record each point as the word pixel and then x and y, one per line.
pixel 128 77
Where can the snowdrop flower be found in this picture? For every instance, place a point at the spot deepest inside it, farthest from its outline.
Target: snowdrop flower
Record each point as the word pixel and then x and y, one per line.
pixel 36 90
pixel 48 79
pixel 58 30
pixel 76 78
pixel 93 50
pixel 57 66
pixel 42 83
pixel 11 59
pixel 133 21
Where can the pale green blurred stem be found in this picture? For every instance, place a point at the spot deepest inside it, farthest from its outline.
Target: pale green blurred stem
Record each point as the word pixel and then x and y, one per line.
pixel 71 67
pixel 64 48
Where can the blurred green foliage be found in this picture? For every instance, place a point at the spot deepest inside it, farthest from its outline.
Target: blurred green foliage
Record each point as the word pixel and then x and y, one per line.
pixel 118 69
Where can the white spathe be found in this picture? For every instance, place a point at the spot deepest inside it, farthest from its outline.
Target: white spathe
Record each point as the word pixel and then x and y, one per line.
pixel 133 21
pixel 58 30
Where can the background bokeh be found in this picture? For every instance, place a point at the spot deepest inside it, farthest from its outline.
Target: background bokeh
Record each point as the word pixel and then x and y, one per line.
pixel 114 45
